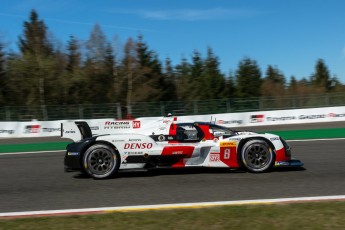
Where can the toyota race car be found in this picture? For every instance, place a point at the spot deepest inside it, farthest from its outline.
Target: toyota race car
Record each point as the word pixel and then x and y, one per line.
pixel 165 142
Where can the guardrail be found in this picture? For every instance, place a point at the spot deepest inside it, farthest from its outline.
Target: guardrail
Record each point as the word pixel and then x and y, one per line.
pixel 146 109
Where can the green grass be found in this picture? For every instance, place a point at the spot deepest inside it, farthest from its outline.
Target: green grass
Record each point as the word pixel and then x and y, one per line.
pixel 48 146
pixel 313 215
pixel 311 133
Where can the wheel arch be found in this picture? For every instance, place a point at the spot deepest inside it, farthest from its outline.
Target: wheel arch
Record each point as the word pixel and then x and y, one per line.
pixel 245 140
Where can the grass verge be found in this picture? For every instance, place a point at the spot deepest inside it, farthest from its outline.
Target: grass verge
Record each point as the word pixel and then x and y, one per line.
pixel 312 215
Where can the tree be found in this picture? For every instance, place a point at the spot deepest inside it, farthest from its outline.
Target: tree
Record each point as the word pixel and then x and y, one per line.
pixel 73 55
pixel 274 83
pixel 34 40
pixel 212 78
pixel 183 80
pixel 169 83
pixel 3 82
pixel 147 86
pixel 35 71
pixel 98 67
pixel 230 86
pixel 321 76
pixel 96 45
pixel 248 79
pixel 196 84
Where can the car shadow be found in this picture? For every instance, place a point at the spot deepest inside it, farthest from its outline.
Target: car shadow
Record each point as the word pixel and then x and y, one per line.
pixel 184 171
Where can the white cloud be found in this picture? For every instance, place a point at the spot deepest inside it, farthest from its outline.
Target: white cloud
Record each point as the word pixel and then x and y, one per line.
pixel 192 14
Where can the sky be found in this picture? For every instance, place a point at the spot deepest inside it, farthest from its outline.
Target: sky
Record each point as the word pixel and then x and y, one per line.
pixel 288 34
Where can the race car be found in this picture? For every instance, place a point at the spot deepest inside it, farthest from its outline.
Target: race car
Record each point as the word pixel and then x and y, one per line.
pixel 167 142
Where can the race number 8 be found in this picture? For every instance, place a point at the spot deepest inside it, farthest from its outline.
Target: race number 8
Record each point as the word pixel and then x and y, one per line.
pixel 226 154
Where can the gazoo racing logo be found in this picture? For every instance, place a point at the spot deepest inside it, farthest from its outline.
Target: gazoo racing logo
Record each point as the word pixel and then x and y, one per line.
pixel 136 124
pixel 32 129
pixel 257 118
pixel 138 146
pixel 117 125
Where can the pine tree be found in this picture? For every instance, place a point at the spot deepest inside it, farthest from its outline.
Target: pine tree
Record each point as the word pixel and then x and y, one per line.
pixel 274 83
pixel 183 79
pixel 147 84
pixel 34 40
pixel 213 79
pixel 3 82
pixel 321 76
pixel 34 72
pixel 73 55
pixel 248 78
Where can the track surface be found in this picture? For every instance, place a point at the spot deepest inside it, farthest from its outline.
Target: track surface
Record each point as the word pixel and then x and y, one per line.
pixel 37 181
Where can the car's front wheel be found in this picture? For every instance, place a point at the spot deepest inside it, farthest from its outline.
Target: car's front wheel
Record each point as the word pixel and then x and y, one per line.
pixel 257 156
pixel 101 161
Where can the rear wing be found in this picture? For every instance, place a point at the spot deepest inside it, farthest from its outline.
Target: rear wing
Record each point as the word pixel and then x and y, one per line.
pixel 75 130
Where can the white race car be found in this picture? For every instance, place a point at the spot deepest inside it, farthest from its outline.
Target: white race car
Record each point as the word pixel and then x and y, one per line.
pixel 167 142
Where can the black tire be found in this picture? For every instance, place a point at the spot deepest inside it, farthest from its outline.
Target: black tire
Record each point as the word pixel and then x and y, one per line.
pixel 100 161
pixel 257 156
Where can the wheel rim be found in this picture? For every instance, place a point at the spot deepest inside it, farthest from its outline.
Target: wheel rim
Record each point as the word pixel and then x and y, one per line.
pixel 100 161
pixel 257 156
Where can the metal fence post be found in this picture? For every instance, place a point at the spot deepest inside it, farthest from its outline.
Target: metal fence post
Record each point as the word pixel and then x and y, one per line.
pixel 81 112
pixel 195 107
pixel 162 108
pixel 228 108
pixel 8 113
pixel 118 110
pixel 44 112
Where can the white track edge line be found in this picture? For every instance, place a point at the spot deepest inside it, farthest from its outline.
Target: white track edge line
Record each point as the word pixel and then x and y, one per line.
pixel 170 206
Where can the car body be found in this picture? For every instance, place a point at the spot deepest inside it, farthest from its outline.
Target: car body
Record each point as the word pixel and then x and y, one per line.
pixel 167 142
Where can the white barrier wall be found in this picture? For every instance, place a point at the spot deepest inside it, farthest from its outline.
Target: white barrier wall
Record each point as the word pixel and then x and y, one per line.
pixel 278 117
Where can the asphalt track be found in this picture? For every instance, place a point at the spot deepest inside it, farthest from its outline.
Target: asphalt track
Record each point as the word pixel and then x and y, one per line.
pixel 32 182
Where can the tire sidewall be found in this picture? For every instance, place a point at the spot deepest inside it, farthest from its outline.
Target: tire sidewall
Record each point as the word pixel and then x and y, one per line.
pixel 114 167
pixel 267 167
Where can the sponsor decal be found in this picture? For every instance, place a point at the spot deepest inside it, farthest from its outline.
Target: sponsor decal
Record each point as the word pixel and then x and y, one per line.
pixel 136 124
pixel 117 140
pixel 228 144
pixel 32 129
pixel 317 116
pixel 235 139
pixel 134 153
pixel 71 131
pixel 134 139
pixel 214 157
pixel 336 115
pixel 223 122
pixel 50 130
pixel 9 131
pixel 138 146
pixel 73 153
pixel 257 118
pixel 177 152
pixel 274 138
pixel 286 118
pixel 117 125
pixel 94 127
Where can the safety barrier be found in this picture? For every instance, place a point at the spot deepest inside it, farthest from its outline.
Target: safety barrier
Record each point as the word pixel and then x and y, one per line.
pixel 261 118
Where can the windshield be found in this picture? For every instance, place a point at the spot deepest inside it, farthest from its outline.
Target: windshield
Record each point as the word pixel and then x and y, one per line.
pixel 215 129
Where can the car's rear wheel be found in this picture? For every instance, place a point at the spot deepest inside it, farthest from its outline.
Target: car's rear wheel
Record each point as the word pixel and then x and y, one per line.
pixel 101 161
pixel 257 156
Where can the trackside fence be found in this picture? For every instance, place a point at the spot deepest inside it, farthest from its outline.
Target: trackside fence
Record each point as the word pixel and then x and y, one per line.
pixel 179 108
